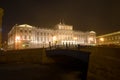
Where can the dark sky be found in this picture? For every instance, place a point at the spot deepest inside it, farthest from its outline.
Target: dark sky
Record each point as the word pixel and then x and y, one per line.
pixel 102 16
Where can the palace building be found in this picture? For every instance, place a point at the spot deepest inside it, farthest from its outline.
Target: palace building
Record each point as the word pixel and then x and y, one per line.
pixel 26 36
pixel 109 39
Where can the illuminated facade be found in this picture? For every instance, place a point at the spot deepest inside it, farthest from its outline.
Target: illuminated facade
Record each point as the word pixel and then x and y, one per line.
pixel 108 39
pixel 26 36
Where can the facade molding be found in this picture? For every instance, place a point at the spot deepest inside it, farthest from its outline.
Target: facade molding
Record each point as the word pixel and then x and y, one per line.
pixel 27 36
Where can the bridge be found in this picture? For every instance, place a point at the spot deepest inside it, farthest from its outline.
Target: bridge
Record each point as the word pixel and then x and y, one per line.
pixel 71 60
pixel 65 59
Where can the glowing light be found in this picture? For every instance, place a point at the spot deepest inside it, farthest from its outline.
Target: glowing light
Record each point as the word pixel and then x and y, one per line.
pixel 102 39
pixel 23 45
pixel 25 25
pixel 75 38
pixel 92 32
pixel 17 38
pixel 91 39
pixel 54 38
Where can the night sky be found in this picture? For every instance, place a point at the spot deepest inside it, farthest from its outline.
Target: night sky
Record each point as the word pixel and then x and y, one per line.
pixel 102 16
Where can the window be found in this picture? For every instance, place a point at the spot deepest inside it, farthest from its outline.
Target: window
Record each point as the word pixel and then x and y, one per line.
pixel 21 31
pixel 25 31
pixel 25 37
pixel 44 34
pixel 116 37
pixel 29 37
pixel 30 31
pixel 41 39
pixel 37 38
pixel 41 33
pixel 37 33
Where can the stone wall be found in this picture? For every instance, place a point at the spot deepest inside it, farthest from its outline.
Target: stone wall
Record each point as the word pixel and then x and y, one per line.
pixel 23 56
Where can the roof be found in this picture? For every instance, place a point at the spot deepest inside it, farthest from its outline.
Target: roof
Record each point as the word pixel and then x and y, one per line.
pixel 114 33
pixel 25 25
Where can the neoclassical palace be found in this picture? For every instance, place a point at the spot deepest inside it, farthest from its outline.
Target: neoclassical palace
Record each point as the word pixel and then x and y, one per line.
pixel 26 36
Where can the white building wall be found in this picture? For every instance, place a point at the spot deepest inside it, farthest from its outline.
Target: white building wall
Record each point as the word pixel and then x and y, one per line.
pixel 33 37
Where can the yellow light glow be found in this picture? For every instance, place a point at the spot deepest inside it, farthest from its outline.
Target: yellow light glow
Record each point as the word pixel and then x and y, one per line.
pixel 75 38
pixel 23 45
pixel 54 38
pixel 91 39
pixel 17 38
pixel 102 39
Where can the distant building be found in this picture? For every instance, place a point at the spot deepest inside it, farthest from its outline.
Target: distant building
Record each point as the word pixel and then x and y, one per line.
pixel 26 36
pixel 1 14
pixel 109 39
